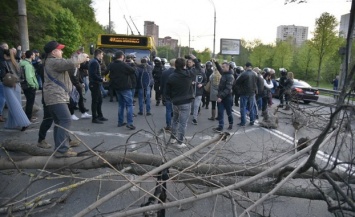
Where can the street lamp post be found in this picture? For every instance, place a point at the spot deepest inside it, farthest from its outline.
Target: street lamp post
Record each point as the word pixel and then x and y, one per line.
pixel 183 22
pixel 214 29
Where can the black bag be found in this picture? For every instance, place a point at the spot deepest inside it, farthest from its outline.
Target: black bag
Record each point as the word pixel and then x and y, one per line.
pixel 4 69
pixel 9 80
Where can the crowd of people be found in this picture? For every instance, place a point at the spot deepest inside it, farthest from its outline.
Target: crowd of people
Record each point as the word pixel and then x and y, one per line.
pixel 184 88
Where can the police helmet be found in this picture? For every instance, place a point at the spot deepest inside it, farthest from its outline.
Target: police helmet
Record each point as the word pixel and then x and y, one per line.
pixel 239 69
pixel 283 71
pixel 208 63
pixel 266 69
pixel 163 60
pixel 232 65
pixel 157 59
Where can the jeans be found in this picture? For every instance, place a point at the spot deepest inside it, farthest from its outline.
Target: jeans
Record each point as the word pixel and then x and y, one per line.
pixel 61 117
pixel 181 115
pixel 125 100
pixel 195 106
pixel 30 94
pixel 96 98
pixel 104 92
pixel 244 100
pixel 2 98
pixel 81 105
pixel 39 80
pixel 225 104
pixel 142 98
pixel 85 80
pixel 168 111
pixel 259 101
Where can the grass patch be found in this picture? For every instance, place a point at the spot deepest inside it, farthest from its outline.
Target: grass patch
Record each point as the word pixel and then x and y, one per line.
pixel 324 85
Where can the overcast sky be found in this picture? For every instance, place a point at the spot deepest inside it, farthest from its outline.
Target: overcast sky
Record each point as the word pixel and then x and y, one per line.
pixel 236 19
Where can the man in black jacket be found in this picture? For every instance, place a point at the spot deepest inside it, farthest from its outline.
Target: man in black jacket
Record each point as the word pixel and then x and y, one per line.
pixel 206 95
pixel 180 91
pixel 225 95
pixel 247 83
pixel 168 104
pixel 95 80
pixel 123 80
pixel 157 72
pixel 199 82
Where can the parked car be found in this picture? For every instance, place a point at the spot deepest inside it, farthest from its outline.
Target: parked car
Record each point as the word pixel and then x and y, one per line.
pixel 301 91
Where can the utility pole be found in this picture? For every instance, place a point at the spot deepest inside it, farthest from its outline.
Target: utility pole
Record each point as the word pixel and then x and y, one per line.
pixel 23 28
pixel 109 17
pixel 214 30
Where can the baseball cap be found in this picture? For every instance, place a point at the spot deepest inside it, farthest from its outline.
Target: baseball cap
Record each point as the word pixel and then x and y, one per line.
pixel 52 45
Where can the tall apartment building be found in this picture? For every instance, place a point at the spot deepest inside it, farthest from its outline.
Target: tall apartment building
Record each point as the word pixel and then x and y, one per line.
pixel 344 26
pixel 151 29
pixel 299 34
pixel 168 41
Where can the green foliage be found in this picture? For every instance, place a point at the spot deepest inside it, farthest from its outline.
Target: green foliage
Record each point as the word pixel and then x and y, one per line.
pixel 304 65
pixel 9 23
pixel 325 40
pixel 283 55
pixel 166 52
pixel 260 55
pixel 70 22
pixel 66 24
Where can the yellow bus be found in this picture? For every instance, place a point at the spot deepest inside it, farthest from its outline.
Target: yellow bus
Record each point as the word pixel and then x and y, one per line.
pixel 140 46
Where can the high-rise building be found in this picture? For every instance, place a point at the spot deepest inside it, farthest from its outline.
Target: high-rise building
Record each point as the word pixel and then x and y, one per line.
pixel 168 41
pixel 151 29
pixel 298 34
pixel 344 26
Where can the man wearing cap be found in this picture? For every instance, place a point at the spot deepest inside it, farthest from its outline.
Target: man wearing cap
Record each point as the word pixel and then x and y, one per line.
pixel 56 89
pixel 247 83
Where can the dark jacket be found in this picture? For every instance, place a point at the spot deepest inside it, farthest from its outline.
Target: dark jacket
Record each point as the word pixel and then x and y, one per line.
pixel 208 73
pixel 74 75
pixel 179 87
pixel 122 76
pixel 157 72
pixel 164 80
pixel 246 83
pixel 282 82
pixel 144 76
pixel 288 84
pixel 260 85
pixel 226 82
pixel 200 77
pixel 84 67
pixel 95 71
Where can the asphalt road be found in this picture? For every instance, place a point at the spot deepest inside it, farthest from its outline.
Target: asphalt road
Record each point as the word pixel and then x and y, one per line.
pixel 249 145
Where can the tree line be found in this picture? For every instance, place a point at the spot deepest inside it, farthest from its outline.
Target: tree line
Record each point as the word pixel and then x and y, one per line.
pixel 317 59
pixel 73 23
